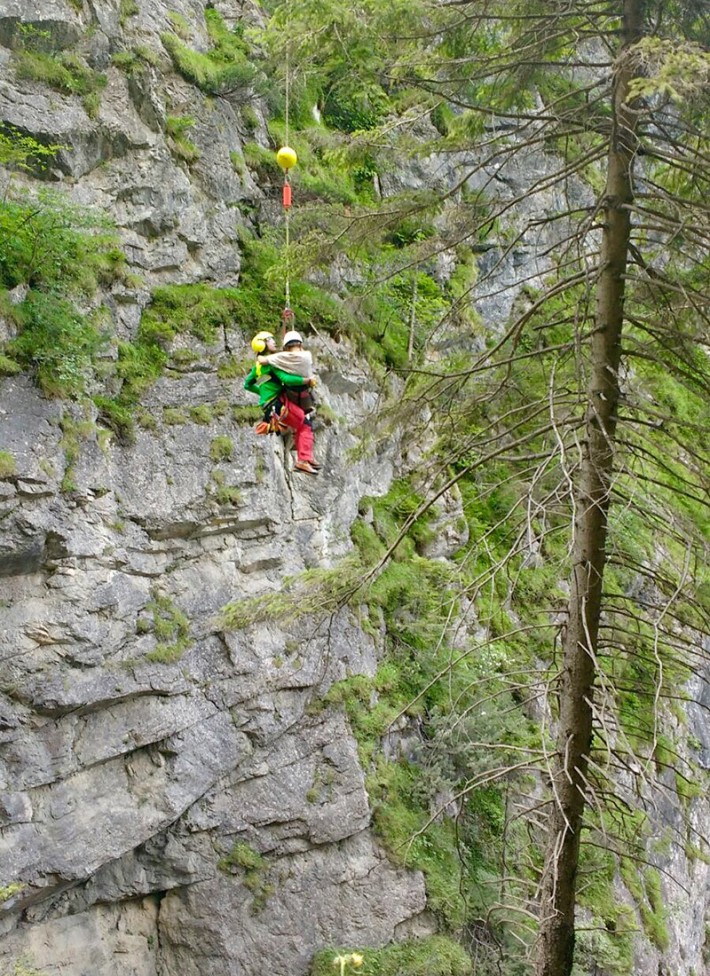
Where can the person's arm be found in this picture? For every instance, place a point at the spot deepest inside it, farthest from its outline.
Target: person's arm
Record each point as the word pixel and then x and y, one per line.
pixel 250 381
pixel 299 363
pixel 288 379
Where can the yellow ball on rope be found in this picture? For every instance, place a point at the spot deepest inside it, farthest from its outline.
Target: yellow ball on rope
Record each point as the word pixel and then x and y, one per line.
pixel 286 157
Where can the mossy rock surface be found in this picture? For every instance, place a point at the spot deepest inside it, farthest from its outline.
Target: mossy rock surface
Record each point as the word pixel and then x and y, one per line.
pixel 433 956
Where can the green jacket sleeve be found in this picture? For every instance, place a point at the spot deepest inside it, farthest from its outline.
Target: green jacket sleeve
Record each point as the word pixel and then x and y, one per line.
pixel 286 379
pixel 250 381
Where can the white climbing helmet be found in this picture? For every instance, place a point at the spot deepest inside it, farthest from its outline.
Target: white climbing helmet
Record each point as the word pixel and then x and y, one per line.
pixel 291 337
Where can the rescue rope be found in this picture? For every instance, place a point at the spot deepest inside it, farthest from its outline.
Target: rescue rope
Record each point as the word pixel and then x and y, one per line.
pixel 286 158
pixel 287 186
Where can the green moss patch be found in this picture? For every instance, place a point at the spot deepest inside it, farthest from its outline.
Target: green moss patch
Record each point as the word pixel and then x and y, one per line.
pixel 8 465
pixel 253 869
pixel 433 956
pixel 221 448
pixel 170 627
pixel 224 69
pixel 177 127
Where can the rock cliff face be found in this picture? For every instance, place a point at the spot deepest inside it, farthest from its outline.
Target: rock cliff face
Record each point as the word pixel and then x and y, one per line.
pixel 174 799
pixel 125 781
pixel 130 787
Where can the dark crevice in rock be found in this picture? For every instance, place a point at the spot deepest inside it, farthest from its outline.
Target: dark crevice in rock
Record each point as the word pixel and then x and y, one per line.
pixel 143 100
pixel 47 710
pixel 197 530
pixel 22 562
pixel 37 902
pixel 48 35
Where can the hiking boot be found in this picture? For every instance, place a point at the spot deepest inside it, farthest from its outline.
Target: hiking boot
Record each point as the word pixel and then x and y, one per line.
pixel 315 464
pixel 305 467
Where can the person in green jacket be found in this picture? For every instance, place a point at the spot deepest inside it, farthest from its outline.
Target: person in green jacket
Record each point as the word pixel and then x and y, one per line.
pixel 268 383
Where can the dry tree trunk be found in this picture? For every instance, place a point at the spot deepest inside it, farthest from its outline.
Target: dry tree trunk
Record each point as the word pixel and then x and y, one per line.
pixel 412 320
pixel 576 688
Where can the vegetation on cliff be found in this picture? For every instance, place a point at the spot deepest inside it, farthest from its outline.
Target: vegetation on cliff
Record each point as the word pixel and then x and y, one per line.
pixel 530 692
pixel 558 406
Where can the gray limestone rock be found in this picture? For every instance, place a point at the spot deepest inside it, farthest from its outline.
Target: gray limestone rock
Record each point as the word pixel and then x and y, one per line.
pixel 331 895
pixel 140 738
pixel 128 771
pixel 56 18
pixel 120 939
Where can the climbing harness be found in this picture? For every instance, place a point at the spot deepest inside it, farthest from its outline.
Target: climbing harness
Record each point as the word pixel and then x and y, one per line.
pixel 274 421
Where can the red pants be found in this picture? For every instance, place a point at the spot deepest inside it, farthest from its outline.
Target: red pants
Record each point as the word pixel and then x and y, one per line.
pixel 302 431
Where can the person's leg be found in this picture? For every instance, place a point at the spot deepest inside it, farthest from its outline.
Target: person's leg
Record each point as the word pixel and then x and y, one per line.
pixel 302 431
pixel 304 442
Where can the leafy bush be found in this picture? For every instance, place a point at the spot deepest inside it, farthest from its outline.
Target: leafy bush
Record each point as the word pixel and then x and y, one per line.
pixel 125 60
pixel 139 365
pixel 8 367
pixel 134 60
pixel 228 495
pixel 51 243
pixel 260 295
pixel 24 152
pixel 115 415
pixel 354 109
pixel 263 161
pixel 254 870
pixel 147 54
pixel 180 25
pixel 57 343
pixel 198 310
pixel 61 252
pixel 200 414
pixel 242 856
pixel 387 316
pixel 174 416
pixel 326 172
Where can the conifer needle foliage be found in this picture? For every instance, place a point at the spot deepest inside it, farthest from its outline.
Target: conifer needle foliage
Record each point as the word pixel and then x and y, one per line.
pixel 574 424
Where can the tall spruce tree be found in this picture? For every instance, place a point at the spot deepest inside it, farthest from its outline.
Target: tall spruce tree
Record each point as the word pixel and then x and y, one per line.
pixel 589 539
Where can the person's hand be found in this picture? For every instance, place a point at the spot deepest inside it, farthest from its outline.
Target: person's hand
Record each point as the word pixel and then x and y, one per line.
pixel 311 381
pixel 262 360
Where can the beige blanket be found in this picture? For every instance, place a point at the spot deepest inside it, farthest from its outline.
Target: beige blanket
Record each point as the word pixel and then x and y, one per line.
pixel 299 363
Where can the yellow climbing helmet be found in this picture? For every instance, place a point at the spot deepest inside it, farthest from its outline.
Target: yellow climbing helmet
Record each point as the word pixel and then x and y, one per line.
pixel 258 343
